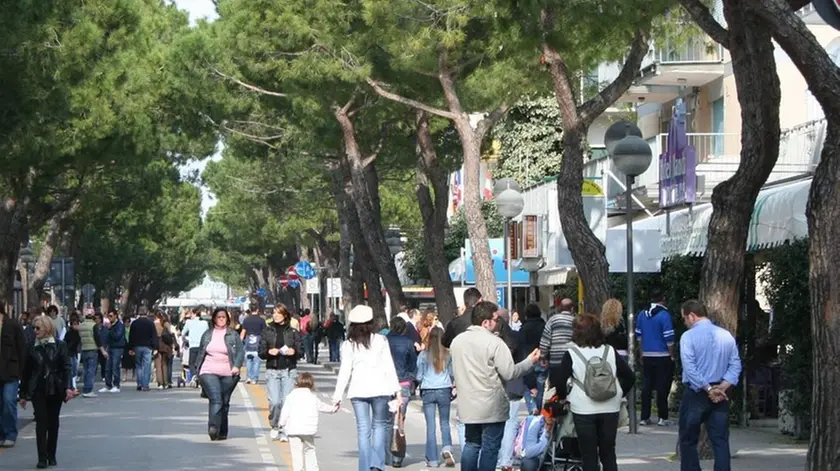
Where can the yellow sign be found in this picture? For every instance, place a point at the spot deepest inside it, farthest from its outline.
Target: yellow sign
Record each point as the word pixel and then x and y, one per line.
pixel 591 188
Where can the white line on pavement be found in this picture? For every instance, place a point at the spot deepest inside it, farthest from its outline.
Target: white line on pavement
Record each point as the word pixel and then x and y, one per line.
pixel 259 434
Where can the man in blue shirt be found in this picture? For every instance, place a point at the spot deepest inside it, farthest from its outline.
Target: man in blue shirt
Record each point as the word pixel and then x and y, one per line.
pixel 711 366
pixel 655 331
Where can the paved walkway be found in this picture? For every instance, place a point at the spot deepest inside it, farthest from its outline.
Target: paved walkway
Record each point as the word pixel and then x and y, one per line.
pixel 134 431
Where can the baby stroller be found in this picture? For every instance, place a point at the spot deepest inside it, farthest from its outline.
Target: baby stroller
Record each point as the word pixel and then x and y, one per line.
pixel 563 452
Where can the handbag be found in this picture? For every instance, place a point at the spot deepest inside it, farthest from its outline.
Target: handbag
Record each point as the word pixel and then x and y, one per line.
pixel 398 437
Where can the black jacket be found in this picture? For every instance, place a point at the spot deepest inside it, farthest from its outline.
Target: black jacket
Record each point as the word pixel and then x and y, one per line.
pixel 404 355
pixel 335 331
pixel 12 350
pixel 617 337
pixel 276 336
pixel 456 327
pixel 531 333
pixel 143 334
pixel 47 371
pixel 73 341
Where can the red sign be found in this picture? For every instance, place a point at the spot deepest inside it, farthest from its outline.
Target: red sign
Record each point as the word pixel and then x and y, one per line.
pixel 283 280
pixel 291 273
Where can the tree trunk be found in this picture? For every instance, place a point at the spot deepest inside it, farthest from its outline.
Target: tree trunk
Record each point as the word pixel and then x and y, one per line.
pixel 823 213
pixel 433 198
pixel 56 234
pixel 759 95
pixel 588 252
pixel 12 234
pixel 350 292
pixel 364 194
pixel 824 256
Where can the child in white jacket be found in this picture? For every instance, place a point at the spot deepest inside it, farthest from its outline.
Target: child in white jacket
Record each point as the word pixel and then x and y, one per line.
pixel 299 419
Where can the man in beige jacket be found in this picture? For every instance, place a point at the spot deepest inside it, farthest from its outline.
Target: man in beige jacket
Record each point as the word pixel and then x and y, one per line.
pixel 482 363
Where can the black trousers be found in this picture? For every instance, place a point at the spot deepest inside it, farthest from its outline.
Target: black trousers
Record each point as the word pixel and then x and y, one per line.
pixel 658 373
pixel 596 438
pixel 47 410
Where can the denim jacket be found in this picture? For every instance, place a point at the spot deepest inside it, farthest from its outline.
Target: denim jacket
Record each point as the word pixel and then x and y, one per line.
pixel 431 379
pixel 404 355
pixel 235 348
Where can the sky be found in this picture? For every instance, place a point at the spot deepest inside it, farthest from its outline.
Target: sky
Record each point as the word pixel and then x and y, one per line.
pixel 199 9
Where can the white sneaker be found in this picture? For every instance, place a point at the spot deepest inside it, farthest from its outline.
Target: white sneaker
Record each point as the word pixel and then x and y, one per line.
pixel 89 395
pixel 160 387
pixel 7 444
pixel 105 389
pixel 274 434
pixel 283 437
pixel 664 423
pixel 114 390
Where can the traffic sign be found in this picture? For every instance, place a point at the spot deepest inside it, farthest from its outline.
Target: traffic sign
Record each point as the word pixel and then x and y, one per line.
pixel 500 296
pixel 292 273
pixel 283 280
pixel 261 292
pixel 306 270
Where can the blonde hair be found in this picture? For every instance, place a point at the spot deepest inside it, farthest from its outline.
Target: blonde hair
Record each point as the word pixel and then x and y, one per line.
pixel 611 314
pixel 294 323
pixel 45 325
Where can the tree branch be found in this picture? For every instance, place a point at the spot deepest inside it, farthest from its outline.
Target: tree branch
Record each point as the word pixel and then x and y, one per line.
pixel 487 123
pixel 377 87
pixel 595 106
pixel 248 86
pixel 706 21
pixel 809 56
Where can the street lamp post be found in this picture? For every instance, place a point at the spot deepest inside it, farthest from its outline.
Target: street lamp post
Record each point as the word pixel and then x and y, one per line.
pixel 27 258
pixel 509 200
pixel 632 156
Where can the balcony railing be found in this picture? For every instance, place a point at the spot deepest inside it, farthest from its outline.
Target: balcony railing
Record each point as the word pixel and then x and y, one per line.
pixel 700 50
pixel 719 154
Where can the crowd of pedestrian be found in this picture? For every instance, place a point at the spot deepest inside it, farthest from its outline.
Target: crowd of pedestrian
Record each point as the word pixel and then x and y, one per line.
pixel 488 361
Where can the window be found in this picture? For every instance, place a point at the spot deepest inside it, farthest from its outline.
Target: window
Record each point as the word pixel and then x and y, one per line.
pixel 717 127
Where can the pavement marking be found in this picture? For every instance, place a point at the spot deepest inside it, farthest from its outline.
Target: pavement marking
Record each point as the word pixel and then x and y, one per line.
pixel 259 431
pixel 261 399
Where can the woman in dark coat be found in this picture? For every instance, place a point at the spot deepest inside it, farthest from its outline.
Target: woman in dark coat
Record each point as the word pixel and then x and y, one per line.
pixel 46 383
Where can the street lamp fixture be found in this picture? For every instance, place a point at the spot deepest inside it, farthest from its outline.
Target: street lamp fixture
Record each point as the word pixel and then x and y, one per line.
pixel 509 200
pixel 632 157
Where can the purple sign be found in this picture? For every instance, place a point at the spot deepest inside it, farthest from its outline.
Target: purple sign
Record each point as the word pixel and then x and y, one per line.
pixel 677 165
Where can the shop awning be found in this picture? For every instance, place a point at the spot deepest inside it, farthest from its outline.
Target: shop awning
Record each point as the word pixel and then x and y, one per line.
pixel 778 217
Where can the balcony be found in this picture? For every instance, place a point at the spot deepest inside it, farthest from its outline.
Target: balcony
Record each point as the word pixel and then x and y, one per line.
pixel 718 156
pixel 672 66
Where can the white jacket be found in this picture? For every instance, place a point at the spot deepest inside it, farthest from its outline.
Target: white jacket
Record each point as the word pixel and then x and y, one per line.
pixel 299 415
pixel 370 372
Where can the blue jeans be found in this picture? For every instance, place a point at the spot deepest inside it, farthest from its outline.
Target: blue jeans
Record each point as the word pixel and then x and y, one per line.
pixel 113 367
pixel 278 384
pixel 440 400
pixel 529 464
pixel 372 430
pixel 252 366
pixel 74 370
pixel 511 427
pixel 335 350
pixel 219 389
pixel 89 360
pixel 532 402
pixel 695 409
pixel 8 409
pixel 143 359
pixel 481 452
pixel 307 348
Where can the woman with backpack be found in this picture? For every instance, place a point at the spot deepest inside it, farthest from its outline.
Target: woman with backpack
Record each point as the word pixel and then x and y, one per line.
pixel 600 379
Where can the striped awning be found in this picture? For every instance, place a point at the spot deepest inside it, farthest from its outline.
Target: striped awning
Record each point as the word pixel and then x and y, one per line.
pixel 778 217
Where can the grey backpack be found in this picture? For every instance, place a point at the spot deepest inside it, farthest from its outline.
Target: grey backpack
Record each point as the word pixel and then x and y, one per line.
pixel 599 384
